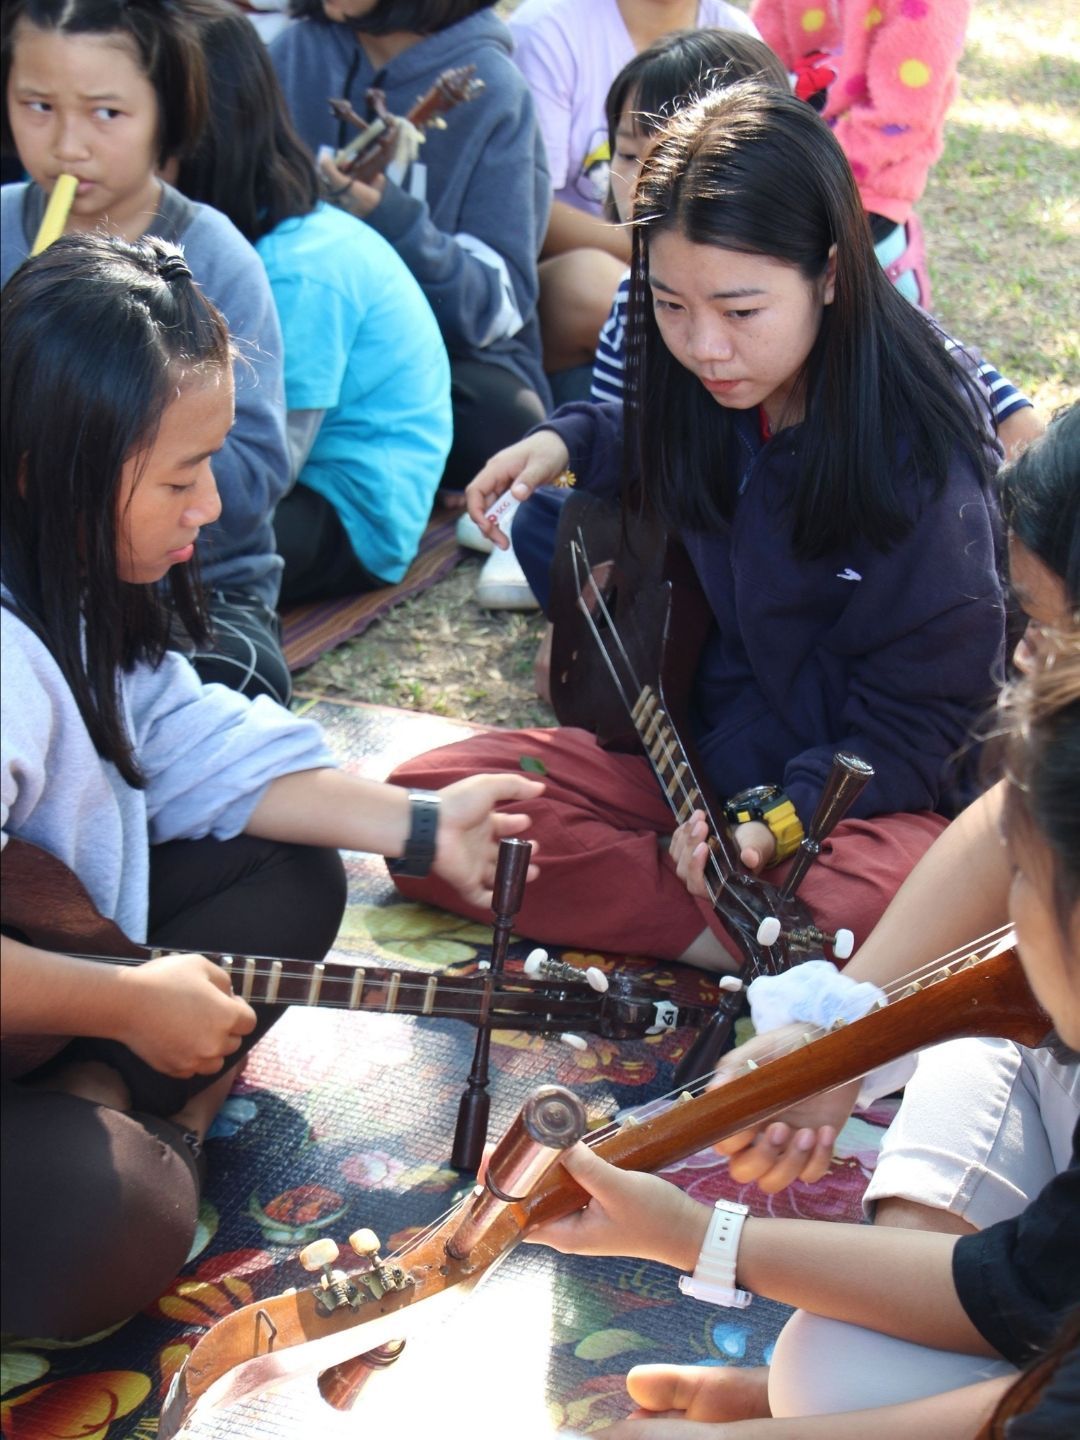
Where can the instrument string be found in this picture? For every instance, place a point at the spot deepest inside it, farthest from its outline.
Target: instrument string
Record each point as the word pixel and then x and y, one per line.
pixel 925 973
pixel 973 953
pixel 409 987
pixel 665 733
pixel 941 968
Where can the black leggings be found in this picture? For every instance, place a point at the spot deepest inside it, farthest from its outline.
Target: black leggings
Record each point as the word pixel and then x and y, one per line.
pixel 99 1205
pixel 492 409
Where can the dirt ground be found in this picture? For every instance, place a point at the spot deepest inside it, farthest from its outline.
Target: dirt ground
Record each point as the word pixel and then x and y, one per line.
pixel 1002 217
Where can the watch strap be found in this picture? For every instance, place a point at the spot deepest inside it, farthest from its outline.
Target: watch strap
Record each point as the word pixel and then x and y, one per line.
pixel 770 805
pixel 713 1279
pixel 418 856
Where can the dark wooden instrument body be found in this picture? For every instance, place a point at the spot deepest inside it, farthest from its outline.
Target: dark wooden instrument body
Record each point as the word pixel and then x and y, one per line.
pixel 662 614
pixel 46 905
pixel 663 619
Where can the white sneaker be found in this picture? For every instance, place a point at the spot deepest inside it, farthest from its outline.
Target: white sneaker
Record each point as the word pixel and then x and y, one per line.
pixel 502 584
pixel 471 536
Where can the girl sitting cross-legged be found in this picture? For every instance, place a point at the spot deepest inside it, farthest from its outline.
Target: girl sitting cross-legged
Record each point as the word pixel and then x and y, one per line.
pixel 824 461
pixel 897 1332
pixel 193 817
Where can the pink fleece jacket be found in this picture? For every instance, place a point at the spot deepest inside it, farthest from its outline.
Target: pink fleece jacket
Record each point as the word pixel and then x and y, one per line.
pixel 895 77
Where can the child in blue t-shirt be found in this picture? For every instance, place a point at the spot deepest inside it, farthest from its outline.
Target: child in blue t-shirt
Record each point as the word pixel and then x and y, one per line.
pixel 367 379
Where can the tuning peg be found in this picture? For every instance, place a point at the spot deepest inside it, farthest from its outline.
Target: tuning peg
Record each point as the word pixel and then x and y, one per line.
pixel 768 932
pixel 364 1243
pixel 843 944
pixel 539 965
pixel 319 1254
pixel 534 962
pixel 809 937
pixel 380 1275
pixel 334 1288
pixel 731 983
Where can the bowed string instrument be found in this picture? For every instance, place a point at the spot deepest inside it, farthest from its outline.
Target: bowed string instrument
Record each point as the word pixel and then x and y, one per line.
pixel 385 137
pixel 47 905
pixel 629 621
pixel 349 1323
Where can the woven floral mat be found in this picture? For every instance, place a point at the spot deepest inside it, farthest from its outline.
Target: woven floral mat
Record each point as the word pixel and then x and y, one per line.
pixel 308 631
pixel 346 1120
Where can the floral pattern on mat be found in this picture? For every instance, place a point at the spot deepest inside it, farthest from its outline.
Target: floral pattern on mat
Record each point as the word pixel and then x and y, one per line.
pixel 346 1120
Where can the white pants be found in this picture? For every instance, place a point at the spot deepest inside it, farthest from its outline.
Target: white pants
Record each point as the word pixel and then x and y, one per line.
pixel 823 1367
pixel 985 1124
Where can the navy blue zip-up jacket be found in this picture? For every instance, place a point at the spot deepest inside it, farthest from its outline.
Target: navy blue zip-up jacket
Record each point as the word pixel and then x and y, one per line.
pixel 891 655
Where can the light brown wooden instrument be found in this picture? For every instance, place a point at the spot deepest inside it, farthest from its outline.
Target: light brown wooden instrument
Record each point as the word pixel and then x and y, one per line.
pixel 292 1333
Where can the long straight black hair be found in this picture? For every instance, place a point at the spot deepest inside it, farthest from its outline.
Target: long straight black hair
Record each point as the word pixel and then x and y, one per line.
pixel 250 163
pixel 387 17
pixel 97 335
pixel 680 68
pixel 887 409
pixel 1040 499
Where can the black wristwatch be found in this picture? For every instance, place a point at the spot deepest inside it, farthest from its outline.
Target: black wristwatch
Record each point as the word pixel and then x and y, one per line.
pixel 419 853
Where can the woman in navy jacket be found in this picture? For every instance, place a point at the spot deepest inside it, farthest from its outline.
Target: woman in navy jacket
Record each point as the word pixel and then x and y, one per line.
pixel 823 458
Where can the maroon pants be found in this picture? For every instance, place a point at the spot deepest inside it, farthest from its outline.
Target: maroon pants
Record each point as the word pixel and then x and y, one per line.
pixel 606 884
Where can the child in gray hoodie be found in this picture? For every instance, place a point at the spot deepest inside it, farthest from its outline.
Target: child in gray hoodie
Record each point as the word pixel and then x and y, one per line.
pixel 468 215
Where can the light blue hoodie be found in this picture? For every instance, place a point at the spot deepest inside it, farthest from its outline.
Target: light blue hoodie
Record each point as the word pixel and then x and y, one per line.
pixel 206 752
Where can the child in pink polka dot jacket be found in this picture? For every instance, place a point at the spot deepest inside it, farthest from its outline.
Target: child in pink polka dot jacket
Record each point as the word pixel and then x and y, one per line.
pixel 883 73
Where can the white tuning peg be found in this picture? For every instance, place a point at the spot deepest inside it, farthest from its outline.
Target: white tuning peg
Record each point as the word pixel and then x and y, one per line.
pixel 533 963
pixel 574 1041
pixel 768 932
pixel 597 979
pixel 843 945
pixel 731 983
pixel 364 1243
pixel 318 1253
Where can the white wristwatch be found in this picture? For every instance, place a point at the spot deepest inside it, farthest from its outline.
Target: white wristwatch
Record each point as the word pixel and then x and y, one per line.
pixel 713 1279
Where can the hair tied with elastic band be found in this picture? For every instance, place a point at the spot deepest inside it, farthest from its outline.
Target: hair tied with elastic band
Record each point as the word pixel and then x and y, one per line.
pixel 173 267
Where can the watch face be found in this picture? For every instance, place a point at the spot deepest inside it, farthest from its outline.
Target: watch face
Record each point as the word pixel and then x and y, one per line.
pixel 754 799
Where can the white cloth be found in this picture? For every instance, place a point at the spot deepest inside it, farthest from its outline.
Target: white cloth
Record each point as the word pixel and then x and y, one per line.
pixel 815 993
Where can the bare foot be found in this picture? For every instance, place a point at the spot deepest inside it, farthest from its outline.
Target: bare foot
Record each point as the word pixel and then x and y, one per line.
pixel 198 1114
pixel 898 1214
pixel 90 1080
pixel 701 1392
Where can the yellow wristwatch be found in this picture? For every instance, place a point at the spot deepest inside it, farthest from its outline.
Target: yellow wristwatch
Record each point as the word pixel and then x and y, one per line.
pixel 769 804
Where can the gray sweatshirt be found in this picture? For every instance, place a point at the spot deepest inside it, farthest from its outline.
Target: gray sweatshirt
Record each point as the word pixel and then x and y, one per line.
pixel 207 752
pixel 252 471
pixel 469 215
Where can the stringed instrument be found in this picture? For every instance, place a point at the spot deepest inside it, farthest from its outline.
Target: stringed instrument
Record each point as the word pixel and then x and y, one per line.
pixel 320 1329
pixel 368 154
pixel 48 906
pixel 625 594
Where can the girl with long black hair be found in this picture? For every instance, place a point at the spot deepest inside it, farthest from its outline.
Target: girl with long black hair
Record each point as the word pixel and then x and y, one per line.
pixel 823 459
pixel 193 817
